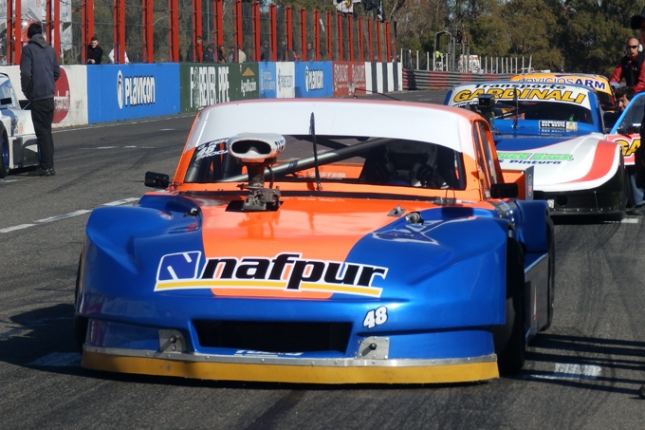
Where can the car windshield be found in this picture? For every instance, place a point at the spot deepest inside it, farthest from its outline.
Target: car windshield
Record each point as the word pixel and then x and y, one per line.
pixel 634 114
pixel 358 160
pixel 539 110
pixel 6 92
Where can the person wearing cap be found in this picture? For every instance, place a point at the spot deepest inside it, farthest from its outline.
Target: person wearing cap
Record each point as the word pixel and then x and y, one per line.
pixel 630 67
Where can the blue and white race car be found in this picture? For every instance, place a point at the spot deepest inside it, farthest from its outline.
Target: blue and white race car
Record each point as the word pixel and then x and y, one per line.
pixel 557 129
pixel 18 145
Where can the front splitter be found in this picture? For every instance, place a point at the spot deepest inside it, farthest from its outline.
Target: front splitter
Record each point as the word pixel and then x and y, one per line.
pixel 345 371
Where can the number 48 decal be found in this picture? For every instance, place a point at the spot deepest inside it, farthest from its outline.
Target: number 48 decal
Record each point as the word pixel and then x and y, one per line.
pixel 375 317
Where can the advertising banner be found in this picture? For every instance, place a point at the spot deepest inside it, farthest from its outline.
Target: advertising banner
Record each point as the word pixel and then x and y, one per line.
pixel 243 81
pixel 203 85
pixel 285 80
pixel 267 80
pixel 127 91
pixel 348 78
pixel 314 79
pixel 70 98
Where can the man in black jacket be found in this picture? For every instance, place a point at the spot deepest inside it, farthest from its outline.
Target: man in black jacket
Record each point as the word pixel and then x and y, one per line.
pixel 39 71
pixel 94 52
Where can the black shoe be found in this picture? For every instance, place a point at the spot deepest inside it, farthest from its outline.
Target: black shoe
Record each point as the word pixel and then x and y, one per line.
pixel 45 172
pixel 638 210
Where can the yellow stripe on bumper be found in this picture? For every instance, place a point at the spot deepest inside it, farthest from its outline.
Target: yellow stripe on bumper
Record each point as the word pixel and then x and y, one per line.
pixel 466 372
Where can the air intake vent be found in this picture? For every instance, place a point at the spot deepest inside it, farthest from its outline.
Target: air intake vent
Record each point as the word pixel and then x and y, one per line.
pixel 274 336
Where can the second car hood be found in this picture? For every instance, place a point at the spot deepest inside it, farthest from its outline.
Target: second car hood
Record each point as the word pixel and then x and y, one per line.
pixel 580 163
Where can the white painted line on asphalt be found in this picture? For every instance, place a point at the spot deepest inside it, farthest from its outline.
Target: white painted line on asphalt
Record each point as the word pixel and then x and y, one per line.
pixel 63 216
pixel 630 220
pixel 122 201
pixel 58 359
pixel 6 181
pixel 16 227
pixel 569 371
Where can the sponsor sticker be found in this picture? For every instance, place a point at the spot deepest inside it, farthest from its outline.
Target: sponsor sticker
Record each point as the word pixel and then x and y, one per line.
pixel 547 124
pixel 286 272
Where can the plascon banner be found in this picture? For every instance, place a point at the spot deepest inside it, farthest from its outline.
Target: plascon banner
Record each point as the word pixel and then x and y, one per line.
pixel 128 91
pixel 314 79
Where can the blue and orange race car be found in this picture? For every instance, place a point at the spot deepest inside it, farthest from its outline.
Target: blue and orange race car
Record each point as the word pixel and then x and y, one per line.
pixel 343 241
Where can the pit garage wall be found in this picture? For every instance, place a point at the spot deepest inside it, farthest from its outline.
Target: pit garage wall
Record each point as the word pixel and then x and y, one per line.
pixel 107 93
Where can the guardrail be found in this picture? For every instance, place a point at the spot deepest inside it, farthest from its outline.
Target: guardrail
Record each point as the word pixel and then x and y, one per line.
pixel 428 80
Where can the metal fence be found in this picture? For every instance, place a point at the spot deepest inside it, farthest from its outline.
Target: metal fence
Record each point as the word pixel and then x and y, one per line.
pixel 429 80
pixel 463 63
pixel 223 24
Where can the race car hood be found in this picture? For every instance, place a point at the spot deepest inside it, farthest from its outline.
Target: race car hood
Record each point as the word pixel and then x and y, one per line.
pixel 310 248
pixel 581 163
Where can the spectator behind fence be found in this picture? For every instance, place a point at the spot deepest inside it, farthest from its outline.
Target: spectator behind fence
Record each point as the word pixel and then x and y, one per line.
pixel 283 52
pixel 39 71
pixel 221 58
pixel 264 54
pixel 311 54
pixel 125 57
pixel 195 57
pixel 94 51
pixel 241 56
pixel 209 54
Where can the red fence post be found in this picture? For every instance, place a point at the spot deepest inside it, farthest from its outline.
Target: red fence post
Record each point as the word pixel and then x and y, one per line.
pixel 289 25
pixel 119 31
pixel 219 25
pixel 173 31
pixel 237 32
pixel 317 35
pixel 350 37
pixel 197 31
pixel 87 26
pixel 256 31
pixel 387 42
pixel 148 45
pixel 273 23
pixel 339 29
pixel 303 33
pixel 361 48
pixel 369 40
pixel 52 25
pixel 330 45
pixel 14 32
pixel 378 41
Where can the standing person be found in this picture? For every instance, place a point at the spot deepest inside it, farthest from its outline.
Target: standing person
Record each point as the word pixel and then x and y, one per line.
pixel 195 55
pixel 283 52
pixel 94 52
pixel 311 54
pixel 39 71
pixel 265 52
pixel 125 57
pixel 630 67
pixel 209 54
pixel 638 23
pixel 241 56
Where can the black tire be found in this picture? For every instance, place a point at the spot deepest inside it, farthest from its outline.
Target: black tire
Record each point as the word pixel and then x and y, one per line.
pixel 551 286
pixel 509 339
pixel 80 322
pixel 4 153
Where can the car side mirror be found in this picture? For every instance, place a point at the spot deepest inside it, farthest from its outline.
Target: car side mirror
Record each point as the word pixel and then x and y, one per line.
pixel 156 180
pixel 504 191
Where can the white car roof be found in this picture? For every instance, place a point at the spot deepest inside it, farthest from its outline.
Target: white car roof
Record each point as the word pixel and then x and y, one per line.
pixel 445 126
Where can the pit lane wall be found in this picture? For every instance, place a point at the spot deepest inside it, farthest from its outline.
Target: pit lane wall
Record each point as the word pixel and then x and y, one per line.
pixel 112 92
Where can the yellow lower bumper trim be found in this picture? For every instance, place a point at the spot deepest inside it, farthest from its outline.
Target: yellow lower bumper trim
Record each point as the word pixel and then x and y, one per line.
pixel 466 372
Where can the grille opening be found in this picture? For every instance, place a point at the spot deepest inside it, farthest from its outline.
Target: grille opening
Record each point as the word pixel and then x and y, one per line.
pixel 274 336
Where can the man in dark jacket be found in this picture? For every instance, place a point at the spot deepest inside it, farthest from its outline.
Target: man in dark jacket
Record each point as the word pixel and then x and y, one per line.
pixel 39 71
pixel 94 52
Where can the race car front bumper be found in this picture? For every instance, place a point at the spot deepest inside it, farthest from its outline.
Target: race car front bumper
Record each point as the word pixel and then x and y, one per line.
pixel 291 370
pixel 608 199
